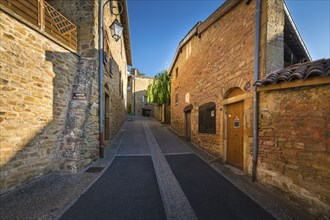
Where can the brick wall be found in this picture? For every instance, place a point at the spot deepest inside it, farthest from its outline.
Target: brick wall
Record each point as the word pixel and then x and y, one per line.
pixel 294 147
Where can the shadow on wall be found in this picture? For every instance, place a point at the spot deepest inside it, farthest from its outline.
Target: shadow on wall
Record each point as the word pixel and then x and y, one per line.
pixel 33 116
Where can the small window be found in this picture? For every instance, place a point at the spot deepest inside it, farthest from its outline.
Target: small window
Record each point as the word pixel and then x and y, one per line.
pixel 120 86
pixel 206 118
pixel 177 72
pixel 106 50
pixel 144 99
pixel 177 97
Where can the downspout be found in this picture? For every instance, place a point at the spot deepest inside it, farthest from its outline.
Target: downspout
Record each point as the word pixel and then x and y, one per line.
pixel 101 142
pixel 255 93
pixel 134 94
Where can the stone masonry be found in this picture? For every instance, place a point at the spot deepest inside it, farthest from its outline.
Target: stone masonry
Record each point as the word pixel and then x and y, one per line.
pixel 36 80
pixel 210 77
pixel 74 143
pixel 43 127
pixel 294 144
pixel 215 63
pixel 137 95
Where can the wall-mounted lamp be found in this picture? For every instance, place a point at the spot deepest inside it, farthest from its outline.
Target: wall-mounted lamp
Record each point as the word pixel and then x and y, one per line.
pixel 116 29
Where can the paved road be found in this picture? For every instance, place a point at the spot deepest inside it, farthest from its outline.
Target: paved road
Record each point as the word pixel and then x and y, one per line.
pixel 155 175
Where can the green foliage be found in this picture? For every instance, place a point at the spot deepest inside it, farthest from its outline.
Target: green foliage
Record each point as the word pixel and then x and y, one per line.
pixel 140 74
pixel 159 91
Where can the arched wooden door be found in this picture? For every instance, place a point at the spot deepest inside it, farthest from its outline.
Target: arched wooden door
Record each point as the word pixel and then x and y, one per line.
pixel 235 134
pixel 235 112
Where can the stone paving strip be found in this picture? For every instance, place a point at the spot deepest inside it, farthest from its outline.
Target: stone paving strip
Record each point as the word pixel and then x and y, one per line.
pixel 175 202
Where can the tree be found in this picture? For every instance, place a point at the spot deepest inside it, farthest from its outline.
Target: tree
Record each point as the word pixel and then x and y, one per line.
pixel 140 74
pixel 159 91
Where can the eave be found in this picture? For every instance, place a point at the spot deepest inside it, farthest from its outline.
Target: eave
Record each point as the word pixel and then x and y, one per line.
pixel 295 38
pixel 126 33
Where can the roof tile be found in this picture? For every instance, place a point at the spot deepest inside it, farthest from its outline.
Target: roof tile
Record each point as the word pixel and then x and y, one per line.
pixel 301 71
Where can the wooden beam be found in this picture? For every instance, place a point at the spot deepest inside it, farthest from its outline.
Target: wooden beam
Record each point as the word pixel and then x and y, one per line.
pixel 41 14
pixel 235 99
pixel 296 83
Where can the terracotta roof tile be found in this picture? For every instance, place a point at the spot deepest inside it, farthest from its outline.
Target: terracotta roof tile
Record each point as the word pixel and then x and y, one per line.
pixel 299 71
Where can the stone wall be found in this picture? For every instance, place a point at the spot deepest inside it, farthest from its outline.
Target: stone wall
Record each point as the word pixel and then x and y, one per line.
pixel 80 147
pixel 207 75
pixel 138 89
pixel 43 127
pixel 294 150
pixel 159 112
pixel 84 14
pixel 271 36
pixel 36 84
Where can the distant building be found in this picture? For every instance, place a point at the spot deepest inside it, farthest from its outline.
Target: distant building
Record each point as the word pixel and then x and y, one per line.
pixel 212 93
pixel 49 103
pixel 137 96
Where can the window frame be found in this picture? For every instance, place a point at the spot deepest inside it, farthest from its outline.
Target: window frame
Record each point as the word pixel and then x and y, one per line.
pixel 176 97
pixel 207 122
pixel 106 49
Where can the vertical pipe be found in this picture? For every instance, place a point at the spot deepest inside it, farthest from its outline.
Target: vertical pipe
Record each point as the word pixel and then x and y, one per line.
pixel 101 143
pixel 134 102
pixel 255 93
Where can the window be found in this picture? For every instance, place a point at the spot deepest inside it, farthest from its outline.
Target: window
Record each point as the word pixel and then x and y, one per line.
pixel 120 85
pixel 111 66
pixel 144 99
pixel 177 72
pixel 177 96
pixel 106 50
pixel 206 118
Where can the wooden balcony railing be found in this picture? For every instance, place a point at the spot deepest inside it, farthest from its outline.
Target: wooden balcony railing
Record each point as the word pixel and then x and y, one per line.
pixel 48 19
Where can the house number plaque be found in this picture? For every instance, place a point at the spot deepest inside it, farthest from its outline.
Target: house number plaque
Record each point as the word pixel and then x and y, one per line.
pixel 79 96
pixel 236 122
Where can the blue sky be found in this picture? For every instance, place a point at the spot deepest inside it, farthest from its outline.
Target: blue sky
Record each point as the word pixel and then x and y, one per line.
pixel 157 27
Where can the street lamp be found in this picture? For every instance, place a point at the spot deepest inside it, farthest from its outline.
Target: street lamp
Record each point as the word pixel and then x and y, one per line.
pixel 116 29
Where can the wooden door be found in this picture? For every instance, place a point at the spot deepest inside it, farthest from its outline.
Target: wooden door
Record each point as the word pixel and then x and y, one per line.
pixel 188 125
pixel 235 134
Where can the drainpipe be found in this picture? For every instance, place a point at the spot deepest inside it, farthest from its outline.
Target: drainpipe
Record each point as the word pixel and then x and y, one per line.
pixel 101 143
pixel 134 102
pixel 255 93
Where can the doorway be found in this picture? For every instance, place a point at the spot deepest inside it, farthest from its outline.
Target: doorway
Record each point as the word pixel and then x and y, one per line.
pixel 188 125
pixel 235 134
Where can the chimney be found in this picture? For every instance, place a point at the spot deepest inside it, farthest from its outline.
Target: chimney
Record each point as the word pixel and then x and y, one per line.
pixel 134 71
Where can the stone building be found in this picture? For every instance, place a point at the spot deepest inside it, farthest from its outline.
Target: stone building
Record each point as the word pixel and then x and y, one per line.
pixel 213 101
pixel 49 97
pixel 137 96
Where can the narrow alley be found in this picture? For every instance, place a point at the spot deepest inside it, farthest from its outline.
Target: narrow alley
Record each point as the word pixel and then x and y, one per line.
pixel 149 173
pixel 187 187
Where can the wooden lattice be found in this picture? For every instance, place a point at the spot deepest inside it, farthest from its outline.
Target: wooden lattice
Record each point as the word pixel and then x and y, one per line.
pixel 63 25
